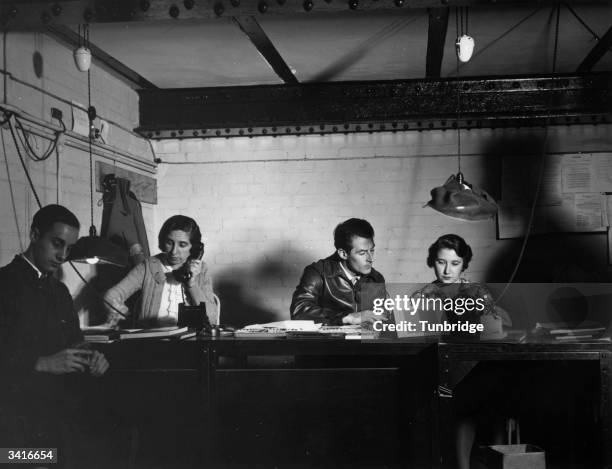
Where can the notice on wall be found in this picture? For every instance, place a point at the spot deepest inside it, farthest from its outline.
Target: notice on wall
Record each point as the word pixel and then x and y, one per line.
pixel 570 190
pixel 80 119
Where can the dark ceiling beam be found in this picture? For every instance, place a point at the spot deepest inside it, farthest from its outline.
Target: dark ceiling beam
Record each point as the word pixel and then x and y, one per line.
pixel 67 35
pixel 343 107
pixel 597 52
pixel 260 40
pixel 23 15
pixel 436 37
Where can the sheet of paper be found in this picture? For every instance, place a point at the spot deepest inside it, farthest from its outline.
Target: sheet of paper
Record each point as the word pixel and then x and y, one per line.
pixel 603 171
pixel 80 119
pixel 589 212
pixel 577 174
pixel 550 192
pixel 577 213
pixel 512 221
pixel 571 197
pixel 290 325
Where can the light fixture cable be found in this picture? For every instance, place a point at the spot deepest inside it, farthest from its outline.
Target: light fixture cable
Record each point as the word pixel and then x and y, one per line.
pixel 90 117
pixel 459 29
pixel 541 168
pixel 92 228
pixel 25 169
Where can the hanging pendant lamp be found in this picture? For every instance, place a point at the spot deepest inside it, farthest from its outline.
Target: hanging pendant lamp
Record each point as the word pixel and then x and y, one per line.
pixel 93 249
pixel 458 198
pixel 82 54
pixel 464 45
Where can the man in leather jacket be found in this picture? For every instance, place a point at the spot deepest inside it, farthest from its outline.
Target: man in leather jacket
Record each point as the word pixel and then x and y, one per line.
pixel 341 288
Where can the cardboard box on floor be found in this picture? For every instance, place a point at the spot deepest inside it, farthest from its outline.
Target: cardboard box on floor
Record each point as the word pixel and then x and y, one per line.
pixel 519 456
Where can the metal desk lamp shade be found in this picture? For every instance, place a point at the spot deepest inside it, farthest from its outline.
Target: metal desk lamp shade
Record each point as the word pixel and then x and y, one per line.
pixel 458 198
pixel 95 250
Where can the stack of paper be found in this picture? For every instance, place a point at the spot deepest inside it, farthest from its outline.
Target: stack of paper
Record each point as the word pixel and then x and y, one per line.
pixel 565 333
pixel 157 333
pixel 277 328
pixel 99 334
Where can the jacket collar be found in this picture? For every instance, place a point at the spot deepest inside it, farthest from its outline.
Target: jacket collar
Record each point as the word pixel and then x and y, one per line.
pixel 25 268
pixel 39 274
pixel 332 268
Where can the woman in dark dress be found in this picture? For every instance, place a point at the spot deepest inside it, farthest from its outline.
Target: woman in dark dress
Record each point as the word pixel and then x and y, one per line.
pixel 478 400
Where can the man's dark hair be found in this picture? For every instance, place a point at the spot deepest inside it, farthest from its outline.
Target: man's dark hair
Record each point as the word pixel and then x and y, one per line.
pixel 48 215
pixel 450 241
pixel 183 223
pixel 347 230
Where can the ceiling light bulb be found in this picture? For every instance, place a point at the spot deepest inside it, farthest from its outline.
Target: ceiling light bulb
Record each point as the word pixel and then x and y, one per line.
pixel 82 58
pixel 465 47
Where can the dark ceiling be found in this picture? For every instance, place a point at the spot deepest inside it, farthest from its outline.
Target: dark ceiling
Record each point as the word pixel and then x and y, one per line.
pixel 295 45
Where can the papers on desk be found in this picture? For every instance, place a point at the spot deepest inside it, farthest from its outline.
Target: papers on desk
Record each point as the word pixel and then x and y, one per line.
pixel 99 338
pixel 303 330
pixel 160 332
pixel 349 332
pixel 103 334
pixel 289 325
pixel 563 333
pixel 99 334
pixel 277 328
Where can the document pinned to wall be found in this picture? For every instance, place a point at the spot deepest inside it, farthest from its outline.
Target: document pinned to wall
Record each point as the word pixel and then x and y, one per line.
pixel 80 119
pixel 572 196
pixel 577 174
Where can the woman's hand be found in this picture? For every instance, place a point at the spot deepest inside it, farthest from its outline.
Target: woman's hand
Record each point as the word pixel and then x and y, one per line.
pixel 503 314
pixel 194 266
pixel 112 321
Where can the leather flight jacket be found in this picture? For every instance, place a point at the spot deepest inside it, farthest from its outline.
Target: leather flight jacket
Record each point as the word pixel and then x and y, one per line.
pixel 325 294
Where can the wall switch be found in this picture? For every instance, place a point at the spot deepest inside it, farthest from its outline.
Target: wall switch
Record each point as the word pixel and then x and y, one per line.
pixel 56 114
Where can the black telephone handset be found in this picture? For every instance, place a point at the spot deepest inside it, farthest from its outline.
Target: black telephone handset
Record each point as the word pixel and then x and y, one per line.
pixel 183 274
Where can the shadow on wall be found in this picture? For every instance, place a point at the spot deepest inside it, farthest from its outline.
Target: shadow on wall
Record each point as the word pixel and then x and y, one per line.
pixel 89 298
pixel 553 256
pixel 243 290
pixel 521 149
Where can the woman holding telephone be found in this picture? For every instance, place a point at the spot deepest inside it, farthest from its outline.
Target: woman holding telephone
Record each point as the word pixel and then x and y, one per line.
pixel 176 275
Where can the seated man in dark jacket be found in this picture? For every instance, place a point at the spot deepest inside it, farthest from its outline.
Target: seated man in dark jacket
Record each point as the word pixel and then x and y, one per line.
pixel 40 340
pixel 341 288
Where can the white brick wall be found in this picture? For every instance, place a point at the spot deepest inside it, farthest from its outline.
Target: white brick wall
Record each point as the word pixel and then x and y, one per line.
pixel 114 101
pixel 267 206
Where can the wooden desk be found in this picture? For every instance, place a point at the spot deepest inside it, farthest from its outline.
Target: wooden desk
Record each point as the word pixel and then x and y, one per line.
pixel 322 402
pixel 317 402
pixel 455 360
pixel 155 401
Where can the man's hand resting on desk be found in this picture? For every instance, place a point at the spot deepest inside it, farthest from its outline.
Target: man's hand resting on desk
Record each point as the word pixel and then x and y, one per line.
pixel 98 364
pixel 73 360
pixel 361 317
